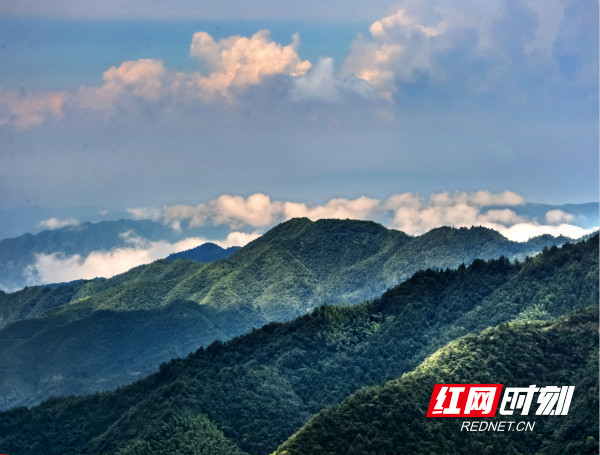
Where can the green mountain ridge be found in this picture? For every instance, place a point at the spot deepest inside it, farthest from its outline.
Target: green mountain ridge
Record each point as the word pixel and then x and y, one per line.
pixel 295 267
pixel 261 388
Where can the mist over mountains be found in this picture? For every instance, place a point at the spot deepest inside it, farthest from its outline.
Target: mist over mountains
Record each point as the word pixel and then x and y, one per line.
pixel 22 257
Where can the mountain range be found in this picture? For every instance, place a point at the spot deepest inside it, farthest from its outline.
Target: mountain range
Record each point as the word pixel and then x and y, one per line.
pixel 19 255
pixel 99 334
pixel 358 379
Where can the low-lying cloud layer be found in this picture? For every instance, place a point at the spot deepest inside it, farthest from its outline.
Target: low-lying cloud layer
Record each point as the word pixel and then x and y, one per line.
pixel 408 212
pixel 58 267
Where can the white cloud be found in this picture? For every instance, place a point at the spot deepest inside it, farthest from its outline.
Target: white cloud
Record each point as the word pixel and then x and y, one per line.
pixel 143 79
pixel 408 212
pixel 236 62
pixel 400 19
pixel 555 217
pixel 237 238
pixel 400 45
pixel 24 110
pixel 320 84
pixel 257 210
pixel 56 223
pixel 482 45
pixel 524 231
pixel 197 215
pixel 228 67
pixel 145 213
pixel 416 215
pixel 57 267
pixel 341 208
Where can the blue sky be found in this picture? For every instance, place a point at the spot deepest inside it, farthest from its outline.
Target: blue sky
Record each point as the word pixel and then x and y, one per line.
pixel 154 104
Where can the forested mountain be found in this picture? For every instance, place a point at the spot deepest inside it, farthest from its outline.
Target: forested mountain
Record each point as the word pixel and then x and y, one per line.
pixel 254 392
pixel 391 418
pixel 99 334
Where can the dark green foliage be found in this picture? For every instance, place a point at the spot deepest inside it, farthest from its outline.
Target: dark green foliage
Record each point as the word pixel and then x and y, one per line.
pixel 31 302
pixel 85 355
pixel 260 388
pixel 390 419
pixel 181 436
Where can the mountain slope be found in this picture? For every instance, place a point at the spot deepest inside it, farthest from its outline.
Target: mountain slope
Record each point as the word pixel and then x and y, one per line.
pixel 261 388
pixel 292 269
pixel 390 418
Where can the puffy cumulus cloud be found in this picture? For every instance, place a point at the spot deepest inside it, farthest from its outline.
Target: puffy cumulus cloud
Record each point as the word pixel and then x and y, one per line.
pixel 321 85
pixel 143 79
pixel 56 223
pixel 556 217
pixel 24 110
pixel 228 67
pixel 58 267
pixel 400 20
pixel 256 210
pixel 236 62
pixel 509 47
pixel 400 45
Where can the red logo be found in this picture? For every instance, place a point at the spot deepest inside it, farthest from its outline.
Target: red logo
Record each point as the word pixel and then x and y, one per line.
pixel 464 400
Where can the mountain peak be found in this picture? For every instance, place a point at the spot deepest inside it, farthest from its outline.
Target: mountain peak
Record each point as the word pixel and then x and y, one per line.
pixel 207 252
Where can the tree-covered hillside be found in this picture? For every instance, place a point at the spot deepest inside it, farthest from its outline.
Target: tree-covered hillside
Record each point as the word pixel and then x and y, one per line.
pixel 261 388
pixel 99 334
pixel 391 418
